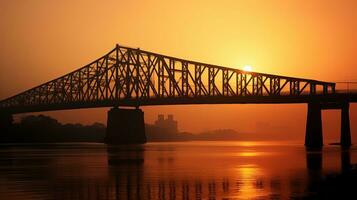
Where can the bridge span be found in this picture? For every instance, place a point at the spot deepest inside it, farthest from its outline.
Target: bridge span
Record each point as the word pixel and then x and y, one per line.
pixel 129 77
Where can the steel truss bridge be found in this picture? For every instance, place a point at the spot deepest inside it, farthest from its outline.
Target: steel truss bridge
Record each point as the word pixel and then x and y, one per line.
pixel 133 77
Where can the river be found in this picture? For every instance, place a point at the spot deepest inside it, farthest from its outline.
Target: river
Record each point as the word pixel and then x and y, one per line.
pixel 168 170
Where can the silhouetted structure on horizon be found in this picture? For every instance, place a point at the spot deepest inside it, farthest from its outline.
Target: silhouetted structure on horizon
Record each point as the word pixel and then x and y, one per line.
pixel 168 125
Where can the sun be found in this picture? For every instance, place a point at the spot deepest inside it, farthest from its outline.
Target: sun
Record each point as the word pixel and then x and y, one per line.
pixel 248 68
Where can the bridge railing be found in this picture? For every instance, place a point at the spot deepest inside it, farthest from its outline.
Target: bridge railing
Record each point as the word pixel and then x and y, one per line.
pixel 346 87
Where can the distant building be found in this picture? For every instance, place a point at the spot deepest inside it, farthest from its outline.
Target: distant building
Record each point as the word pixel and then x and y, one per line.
pixel 168 126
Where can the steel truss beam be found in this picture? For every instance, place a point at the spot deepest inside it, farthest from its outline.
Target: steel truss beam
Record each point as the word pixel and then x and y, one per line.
pixel 136 76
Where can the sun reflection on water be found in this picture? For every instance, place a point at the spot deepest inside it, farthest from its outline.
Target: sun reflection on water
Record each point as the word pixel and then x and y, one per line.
pixel 249 174
pixel 249 154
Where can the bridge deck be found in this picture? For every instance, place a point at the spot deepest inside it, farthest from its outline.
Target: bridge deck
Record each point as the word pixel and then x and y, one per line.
pixel 330 99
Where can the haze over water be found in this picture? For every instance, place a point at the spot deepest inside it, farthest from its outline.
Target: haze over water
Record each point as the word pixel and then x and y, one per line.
pixel 169 170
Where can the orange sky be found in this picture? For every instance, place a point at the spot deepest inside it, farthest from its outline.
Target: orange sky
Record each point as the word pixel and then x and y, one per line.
pixel 41 40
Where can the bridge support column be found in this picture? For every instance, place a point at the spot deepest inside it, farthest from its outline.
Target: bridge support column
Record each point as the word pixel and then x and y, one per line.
pixel 125 126
pixel 5 122
pixel 313 138
pixel 345 138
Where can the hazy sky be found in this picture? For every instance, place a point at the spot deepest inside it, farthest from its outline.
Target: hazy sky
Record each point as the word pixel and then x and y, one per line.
pixel 43 39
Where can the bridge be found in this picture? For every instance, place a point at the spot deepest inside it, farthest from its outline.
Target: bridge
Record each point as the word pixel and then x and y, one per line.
pixel 129 77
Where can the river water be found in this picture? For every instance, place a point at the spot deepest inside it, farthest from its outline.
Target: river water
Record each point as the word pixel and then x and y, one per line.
pixel 170 170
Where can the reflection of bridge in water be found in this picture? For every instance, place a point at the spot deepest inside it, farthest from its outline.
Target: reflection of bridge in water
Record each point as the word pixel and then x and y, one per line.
pixel 126 178
pixel 133 77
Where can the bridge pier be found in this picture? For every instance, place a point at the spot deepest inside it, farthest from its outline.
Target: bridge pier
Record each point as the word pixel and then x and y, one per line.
pixel 125 126
pixel 313 138
pixel 345 138
pixel 5 122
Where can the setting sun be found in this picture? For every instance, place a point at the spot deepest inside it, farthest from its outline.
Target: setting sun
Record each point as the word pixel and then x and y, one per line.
pixel 248 68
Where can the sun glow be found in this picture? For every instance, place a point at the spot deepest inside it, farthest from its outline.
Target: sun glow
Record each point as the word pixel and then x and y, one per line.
pixel 248 68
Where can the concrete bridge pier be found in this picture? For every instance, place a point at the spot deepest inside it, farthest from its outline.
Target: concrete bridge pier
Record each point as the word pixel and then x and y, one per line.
pixel 5 122
pixel 345 139
pixel 125 126
pixel 313 138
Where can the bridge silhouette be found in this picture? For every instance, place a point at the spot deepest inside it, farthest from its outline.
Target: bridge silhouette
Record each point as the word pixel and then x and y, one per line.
pixel 129 77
